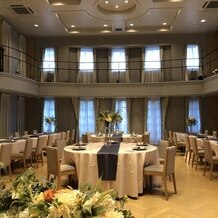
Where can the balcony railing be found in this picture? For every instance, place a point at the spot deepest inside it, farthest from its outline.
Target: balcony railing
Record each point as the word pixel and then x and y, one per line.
pixel 13 61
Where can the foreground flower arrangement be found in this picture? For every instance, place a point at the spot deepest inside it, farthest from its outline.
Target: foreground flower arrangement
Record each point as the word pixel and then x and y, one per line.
pixel 29 197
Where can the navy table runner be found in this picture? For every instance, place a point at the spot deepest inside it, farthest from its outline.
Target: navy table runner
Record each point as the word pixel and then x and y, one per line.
pixel 107 158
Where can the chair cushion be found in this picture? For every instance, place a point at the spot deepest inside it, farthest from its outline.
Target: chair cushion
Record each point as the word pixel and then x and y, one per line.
pixel 153 168
pixel 67 167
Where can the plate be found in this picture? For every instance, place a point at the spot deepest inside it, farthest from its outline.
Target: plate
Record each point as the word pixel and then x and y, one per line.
pixel 139 148
pixel 78 149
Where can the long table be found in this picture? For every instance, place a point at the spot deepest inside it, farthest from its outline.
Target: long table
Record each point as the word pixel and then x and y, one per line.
pixel 129 175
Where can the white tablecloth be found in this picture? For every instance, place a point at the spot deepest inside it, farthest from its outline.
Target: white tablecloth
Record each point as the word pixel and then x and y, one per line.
pixel 129 177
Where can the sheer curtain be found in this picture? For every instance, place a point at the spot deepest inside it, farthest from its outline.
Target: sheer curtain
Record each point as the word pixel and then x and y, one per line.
pixel 194 111
pixel 5 115
pixel 49 64
pixel 86 116
pixel 192 62
pixel 154 120
pixel 121 107
pixel 49 111
pixel 6 42
pixel 21 115
pixel 118 67
pixel 22 55
pixel 87 66
pixel 152 57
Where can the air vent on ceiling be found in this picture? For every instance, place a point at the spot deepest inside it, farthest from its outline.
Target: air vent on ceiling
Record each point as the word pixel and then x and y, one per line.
pixel 210 4
pixel 118 29
pixel 21 9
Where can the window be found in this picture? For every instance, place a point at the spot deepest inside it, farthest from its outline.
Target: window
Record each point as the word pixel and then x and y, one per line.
pixel 49 60
pixel 194 111
pixel 86 116
pixel 118 60
pixel 121 107
pixel 192 57
pixel 49 111
pixel 152 64
pixel 86 63
pixel 154 120
pixel 152 59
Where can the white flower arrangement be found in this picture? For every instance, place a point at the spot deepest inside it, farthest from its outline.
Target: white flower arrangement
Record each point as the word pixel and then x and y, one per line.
pixel 28 197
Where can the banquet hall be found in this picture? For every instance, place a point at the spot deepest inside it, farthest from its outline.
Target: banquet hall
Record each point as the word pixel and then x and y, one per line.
pixel 153 62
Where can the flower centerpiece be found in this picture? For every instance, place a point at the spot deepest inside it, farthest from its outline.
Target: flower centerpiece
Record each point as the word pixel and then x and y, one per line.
pixel 28 197
pixel 49 121
pixel 191 121
pixel 105 119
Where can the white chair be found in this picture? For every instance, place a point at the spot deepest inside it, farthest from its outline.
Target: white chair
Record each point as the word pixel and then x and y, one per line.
pixel 16 134
pixel 63 135
pixel 68 137
pixel 55 168
pixel 162 150
pixel 178 143
pixel 5 156
pixel 37 153
pixel 215 134
pixel 146 137
pixel 188 150
pixel 26 155
pixel 60 144
pixel 197 153
pixel 164 171
pixel 209 158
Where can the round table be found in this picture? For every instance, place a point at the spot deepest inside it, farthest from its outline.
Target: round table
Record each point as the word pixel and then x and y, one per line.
pixel 129 175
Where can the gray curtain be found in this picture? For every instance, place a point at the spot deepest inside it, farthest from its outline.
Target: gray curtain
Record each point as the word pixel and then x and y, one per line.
pixel 5 115
pixel 145 114
pixel 164 108
pixel 21 115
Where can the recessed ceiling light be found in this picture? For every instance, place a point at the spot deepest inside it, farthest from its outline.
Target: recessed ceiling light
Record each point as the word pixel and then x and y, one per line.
pixel 73 26
pixel 203 20
pixel 106 2
pixel 36 25
pixel 117 6
pixel 164 23
pixel 126 1
pixel 105 25
pixel 131 24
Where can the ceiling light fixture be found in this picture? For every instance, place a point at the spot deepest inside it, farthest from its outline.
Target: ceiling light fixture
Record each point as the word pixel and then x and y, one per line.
pixel 36 25
pixel 126 1
pixel 164 23
pixel 203 21
pixel 117 6
pixel 131 24
pixel 106 2
pixel 105 25
pixel 73 26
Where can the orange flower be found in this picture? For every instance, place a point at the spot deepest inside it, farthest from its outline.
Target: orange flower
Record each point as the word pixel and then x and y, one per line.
pixel 49 195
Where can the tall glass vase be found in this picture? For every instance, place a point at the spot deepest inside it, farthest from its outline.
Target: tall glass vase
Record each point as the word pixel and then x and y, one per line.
pixel 107 138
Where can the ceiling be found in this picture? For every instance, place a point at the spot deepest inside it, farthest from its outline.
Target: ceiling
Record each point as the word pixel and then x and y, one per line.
pixel 101 17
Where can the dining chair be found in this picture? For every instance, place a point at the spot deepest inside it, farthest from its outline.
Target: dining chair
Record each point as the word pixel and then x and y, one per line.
pixel 37 153
pixel 214 134
pixel 68 137
pixel 198 154
pixel 171 140
pixel 85 138
pixel 63 135
pixel 72 137
pixel 209 158
pixel 164 171
pixel 146 137
pixel 16 134
pixel 165 134
pixel 26 155
pixel 55 168
pixel 60 144
pixel 25 133
pixel 178 143
pixel 5 156
pixel 188 149
pixel 162 150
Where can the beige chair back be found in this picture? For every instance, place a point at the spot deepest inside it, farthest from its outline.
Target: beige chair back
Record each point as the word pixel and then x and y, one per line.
pixel 169 164
pixel 68 136
pixel 53 163
pixel 25 132
pixel 215 134
pixel 17 134
pixel 208 151
pixel 72 138
pixel 84 138
pixel 5 154
pixel 146 137
pixel 63 135
pixel 41 143
pixel 162 148
pixel 171 137
pixel 187 143
pixel 60 144
pixel 193 143
pixel 28 148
